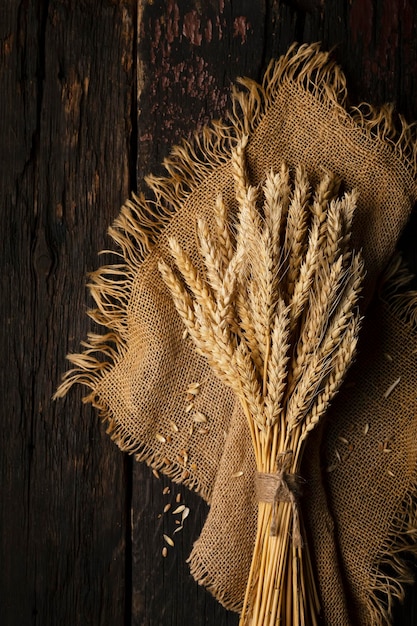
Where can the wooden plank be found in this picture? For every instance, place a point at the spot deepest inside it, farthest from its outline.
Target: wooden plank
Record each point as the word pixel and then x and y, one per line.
pixel 67 96
pixel 189 53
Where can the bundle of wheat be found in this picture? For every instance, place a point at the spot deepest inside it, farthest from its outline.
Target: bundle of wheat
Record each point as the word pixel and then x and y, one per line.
pixel 275 312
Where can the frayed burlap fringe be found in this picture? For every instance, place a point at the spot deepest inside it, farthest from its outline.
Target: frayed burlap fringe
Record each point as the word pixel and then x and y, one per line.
pixel 392 570
pixel 317 74
pixel 395 291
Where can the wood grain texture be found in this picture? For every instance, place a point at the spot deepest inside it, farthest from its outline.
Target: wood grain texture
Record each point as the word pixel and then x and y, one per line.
pixel 67 83
pixel 93 95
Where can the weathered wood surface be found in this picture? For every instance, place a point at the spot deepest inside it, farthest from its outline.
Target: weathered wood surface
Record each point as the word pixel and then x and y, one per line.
pixel 66 105
pixel 92 97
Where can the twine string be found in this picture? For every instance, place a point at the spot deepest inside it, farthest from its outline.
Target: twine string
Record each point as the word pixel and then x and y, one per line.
pixel 281 486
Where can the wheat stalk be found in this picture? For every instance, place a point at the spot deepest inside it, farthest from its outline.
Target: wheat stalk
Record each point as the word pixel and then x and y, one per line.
pixel 276 314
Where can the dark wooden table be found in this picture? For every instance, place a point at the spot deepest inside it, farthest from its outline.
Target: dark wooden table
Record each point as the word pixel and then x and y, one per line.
pixel 92 96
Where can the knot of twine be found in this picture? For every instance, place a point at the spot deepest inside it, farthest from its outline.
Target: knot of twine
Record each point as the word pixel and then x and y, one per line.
pixel 281 486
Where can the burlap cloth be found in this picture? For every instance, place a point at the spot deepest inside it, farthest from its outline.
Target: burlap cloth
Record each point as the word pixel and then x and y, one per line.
pixel 359 501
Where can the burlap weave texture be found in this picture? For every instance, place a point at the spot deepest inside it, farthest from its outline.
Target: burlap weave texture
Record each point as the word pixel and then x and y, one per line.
pixel 297 116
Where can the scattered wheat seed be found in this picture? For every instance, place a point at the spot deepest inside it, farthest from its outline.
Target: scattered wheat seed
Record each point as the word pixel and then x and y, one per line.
pixel 180 459
pixel 160 438
pixel 179 509
pixel 194 467
pixel 203 431
pixel 366 429
pixel 193 389
pixel 177 530
pixel 166 461
pixel 155 473
pixel 237 474
pixel 185 514
pixel 166 508
pixel 391 388
pixel 169 439
pixel 200 418
pixel 164 551
pixel 169 540
pixel 174 427
pixel 189 407
pixel 177 521
pixel 344 440
pixel 185 334
pixel 390 473
pixel 191 429
pixel 178 498
pixel 184 455
pixel 159 516
pixel 185 474
pixel 339 458
pixel 165 491
pixel 386 449
pixel 387 356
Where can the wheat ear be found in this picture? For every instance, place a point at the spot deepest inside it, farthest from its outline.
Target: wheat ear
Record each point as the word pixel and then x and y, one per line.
pixel 297 227
pixel 212 256
pixel 224 239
